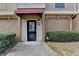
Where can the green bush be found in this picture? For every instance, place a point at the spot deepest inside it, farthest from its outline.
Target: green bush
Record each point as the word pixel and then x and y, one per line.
pixel 61 36
pixel 7 40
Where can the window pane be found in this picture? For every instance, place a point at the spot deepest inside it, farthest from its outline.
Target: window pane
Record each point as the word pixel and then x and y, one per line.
pixel 31 26
pixel 59 5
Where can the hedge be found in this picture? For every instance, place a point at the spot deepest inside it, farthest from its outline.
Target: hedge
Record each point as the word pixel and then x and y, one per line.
pixel 6 41
pixel 61 36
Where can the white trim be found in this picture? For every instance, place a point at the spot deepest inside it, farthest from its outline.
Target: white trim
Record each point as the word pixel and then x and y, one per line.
pixel 60 12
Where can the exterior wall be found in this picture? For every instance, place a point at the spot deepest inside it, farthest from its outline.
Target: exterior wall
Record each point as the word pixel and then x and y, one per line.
pixel 77 7
pixel 75 24
pixel 54 24
pixel 2 6
pixel 10 26
pixel 8 6
pixel 31 5
pixel 48 6
pixel 24 27
pixel 68 7
pixel 11 7
pixel 50 23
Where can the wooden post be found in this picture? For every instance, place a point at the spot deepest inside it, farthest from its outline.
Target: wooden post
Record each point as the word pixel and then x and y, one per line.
pixel 8 18
pixel 70 23
pixel 19 26
pixel 43 27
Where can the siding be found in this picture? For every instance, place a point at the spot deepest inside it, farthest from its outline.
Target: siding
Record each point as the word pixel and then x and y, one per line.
pixel 68 7
pixel 8 7
pixel 31 5
pixel 2 6
pixel 77 7
pixel 48 6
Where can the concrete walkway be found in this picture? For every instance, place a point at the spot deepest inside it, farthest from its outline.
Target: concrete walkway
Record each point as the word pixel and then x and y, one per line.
pixel 22 49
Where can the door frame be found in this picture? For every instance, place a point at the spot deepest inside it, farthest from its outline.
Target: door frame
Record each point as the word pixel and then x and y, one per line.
pixel 24 31
pixel 29 31
pixel 36 30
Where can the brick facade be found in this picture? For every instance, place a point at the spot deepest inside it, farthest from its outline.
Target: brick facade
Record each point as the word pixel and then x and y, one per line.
pixel 75 24
pixel 10 26
pixel 54 24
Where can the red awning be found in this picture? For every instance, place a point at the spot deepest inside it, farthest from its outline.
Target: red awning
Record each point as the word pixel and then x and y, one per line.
pixel 29 10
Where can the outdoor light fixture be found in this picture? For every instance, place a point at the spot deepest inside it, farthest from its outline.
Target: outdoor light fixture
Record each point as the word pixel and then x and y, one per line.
pixel 39 22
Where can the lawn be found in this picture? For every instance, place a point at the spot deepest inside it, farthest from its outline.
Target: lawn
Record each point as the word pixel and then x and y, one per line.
pixel 65 48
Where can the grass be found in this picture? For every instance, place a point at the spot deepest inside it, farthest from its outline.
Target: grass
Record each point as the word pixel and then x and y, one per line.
pixel 65 48
pixel 69 49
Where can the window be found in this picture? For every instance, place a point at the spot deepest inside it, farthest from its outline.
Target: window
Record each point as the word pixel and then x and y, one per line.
pixel 59 5
pixel 31 26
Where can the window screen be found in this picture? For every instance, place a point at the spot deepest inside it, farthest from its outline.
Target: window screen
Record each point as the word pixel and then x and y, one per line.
pixel 59 5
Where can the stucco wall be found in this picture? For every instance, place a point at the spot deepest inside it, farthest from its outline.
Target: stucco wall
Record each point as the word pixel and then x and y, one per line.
pixel 10 26
pixel 56 24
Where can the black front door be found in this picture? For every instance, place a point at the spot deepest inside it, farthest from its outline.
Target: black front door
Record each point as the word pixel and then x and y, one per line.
pixel 31 30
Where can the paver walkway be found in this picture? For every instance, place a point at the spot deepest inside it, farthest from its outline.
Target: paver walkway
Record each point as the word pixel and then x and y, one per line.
pixel 22 49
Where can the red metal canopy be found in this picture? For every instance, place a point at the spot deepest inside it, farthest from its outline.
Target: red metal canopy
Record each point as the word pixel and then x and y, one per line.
pixel 29 10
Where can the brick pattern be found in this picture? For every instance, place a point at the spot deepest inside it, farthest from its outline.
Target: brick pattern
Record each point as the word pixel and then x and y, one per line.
pixel 57 24
pixel 10 26
pixel 75 24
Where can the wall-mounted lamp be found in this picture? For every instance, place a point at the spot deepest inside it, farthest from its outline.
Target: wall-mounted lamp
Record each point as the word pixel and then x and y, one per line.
pixel 39 22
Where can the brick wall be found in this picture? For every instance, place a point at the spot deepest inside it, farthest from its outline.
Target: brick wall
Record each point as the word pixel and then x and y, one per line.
pixel 54 24
pixel 75 24
pixel 10 26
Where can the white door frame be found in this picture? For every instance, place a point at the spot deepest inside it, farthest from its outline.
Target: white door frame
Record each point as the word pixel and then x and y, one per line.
pixel 24 31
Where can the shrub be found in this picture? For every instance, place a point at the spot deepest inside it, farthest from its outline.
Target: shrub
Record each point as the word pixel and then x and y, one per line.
pixel 61 36
pixel 7 40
